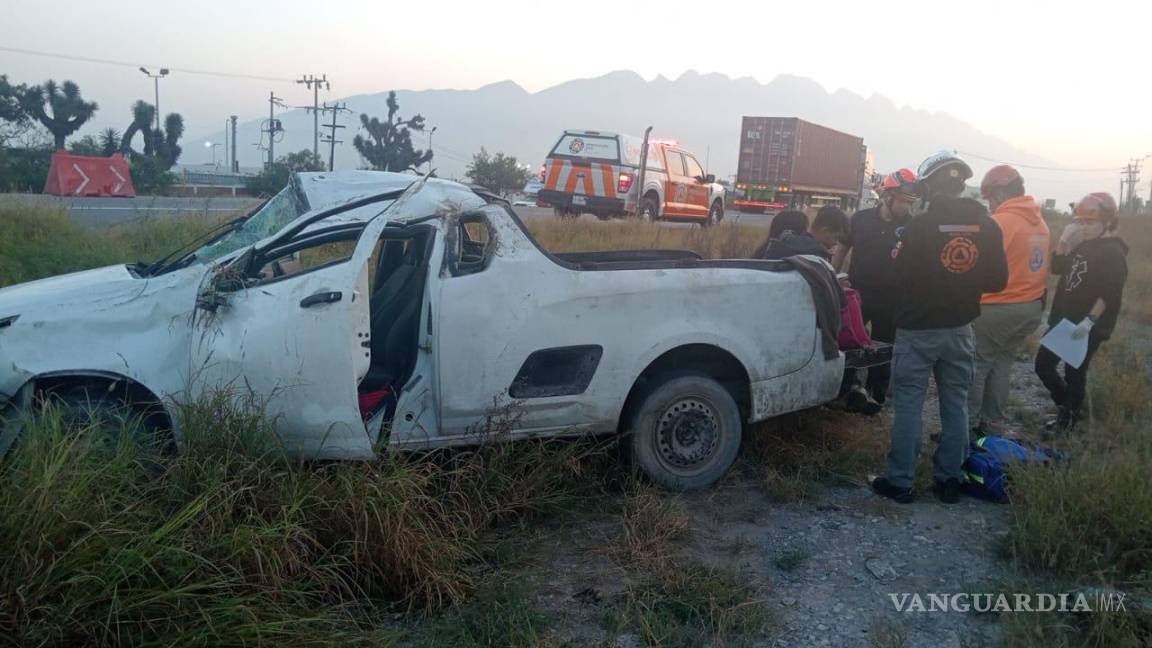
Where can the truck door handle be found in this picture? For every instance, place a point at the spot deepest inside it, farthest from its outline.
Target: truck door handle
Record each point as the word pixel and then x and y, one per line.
pixel 327 297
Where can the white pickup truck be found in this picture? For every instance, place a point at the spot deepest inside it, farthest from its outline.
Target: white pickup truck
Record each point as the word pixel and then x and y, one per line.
pixel 356 283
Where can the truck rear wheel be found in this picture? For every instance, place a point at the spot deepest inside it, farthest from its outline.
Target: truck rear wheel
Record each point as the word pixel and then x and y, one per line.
pixel 686 432
pixel 651 210
pixel 715 214
pixel 565 214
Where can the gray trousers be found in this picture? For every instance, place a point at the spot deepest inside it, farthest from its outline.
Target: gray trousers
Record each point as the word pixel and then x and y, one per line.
pixel 947 355
pixel 1000 330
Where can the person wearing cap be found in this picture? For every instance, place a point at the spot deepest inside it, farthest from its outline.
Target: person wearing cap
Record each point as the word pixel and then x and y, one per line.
pixel 1091 262
pixel 949 256
pixel 872 237
pixel 1008 317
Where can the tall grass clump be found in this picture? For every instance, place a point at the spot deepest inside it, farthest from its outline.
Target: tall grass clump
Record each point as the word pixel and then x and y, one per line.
pixel 232 543
pixel 1088 520
pixel 38 242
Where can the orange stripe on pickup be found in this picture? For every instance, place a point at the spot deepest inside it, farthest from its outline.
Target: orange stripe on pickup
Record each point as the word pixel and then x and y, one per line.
pixel 553 178
pixel 607 172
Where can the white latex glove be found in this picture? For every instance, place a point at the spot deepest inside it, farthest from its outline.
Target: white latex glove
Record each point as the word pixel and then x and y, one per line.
pixel 1082 329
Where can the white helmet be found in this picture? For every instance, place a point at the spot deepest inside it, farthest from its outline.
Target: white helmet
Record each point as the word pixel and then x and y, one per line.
pixel 942 160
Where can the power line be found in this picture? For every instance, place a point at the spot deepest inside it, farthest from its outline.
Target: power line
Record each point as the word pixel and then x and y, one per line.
pixel 1039 168
pixel 88 59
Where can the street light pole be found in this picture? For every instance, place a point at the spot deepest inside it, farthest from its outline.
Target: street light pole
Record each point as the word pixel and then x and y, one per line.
pixel 156 79
pixel 212 145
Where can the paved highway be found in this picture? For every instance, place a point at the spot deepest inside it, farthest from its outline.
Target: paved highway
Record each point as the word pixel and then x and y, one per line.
pixel 108 211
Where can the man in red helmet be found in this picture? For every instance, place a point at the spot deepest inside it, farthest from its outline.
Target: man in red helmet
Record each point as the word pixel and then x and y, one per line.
pixel 1091 263
pixel 1008 317
pixel 872 240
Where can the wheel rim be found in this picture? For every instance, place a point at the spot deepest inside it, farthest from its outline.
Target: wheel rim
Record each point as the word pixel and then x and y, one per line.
pixel 687 435
pixel 648 214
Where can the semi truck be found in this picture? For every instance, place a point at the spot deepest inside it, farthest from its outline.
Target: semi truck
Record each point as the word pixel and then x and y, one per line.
pixel 786 162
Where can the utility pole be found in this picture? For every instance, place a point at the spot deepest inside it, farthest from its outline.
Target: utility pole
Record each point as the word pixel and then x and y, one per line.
pixel 234 165
pixel 1131 177
pixel 330 139
pixel 273 127
pixel 314 84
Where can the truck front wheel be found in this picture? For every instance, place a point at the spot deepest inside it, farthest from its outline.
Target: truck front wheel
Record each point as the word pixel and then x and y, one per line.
pixel 686 432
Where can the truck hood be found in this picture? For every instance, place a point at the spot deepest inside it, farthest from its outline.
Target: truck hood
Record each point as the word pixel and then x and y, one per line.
pixel 102 293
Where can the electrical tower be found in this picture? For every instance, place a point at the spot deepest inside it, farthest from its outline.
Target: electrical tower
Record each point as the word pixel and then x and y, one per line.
pixel 314 84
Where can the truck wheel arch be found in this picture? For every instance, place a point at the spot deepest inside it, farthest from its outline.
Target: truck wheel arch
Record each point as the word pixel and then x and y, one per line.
pixel 134 392
pixel 698 358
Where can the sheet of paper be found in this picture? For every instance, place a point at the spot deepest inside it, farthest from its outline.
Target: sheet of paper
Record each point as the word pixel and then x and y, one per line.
pixel 1059 340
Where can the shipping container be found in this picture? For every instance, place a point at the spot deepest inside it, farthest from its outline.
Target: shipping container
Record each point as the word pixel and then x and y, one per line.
pixel 788 162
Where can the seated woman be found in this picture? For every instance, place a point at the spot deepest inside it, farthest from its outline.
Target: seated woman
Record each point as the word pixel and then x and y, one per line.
pixel 790 235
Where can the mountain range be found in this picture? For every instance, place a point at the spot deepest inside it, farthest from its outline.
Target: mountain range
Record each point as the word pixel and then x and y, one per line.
pixel 701 111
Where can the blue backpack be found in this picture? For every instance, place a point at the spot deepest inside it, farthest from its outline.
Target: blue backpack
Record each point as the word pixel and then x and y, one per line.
pixel 985 473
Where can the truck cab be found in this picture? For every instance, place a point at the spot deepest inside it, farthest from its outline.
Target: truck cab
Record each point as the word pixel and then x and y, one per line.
pixel 599 173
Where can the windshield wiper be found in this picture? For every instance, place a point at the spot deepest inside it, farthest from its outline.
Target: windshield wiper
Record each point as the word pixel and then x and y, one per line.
pixel 212 235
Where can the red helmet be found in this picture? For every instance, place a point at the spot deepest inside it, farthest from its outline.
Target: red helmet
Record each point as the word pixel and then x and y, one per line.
pixel 1001 175
pixel 902 181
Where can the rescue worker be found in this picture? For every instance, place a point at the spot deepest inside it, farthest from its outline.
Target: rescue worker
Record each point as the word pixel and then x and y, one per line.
pixel 949 256
pixel 1008 317
pixel 1091 262
pixel 872 238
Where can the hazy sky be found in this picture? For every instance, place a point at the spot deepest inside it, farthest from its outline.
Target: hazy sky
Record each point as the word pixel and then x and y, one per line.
pixel 1068 81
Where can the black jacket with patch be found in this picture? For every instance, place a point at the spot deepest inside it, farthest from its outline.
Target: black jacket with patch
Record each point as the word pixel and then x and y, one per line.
pixel 948 257
pixel 1096 269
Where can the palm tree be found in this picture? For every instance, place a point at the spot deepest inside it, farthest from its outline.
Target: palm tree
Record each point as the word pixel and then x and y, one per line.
pixel 69 110
pixel 109 141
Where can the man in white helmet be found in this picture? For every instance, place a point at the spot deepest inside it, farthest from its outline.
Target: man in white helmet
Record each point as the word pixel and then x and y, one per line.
pixel 950 255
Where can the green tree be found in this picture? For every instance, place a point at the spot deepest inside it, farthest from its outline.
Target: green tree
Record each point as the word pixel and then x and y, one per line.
pixel 274 179
pixel 68 109
pixel 12 107
pixel 150 176
pixel 109 141
pixel 497 173
pixel 388 146
pixel 161 144
pixel 87 145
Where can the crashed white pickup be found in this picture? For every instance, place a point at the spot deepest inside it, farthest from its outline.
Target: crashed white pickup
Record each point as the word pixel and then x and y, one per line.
pixel 434 300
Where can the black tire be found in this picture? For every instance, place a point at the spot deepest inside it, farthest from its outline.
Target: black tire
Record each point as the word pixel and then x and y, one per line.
pixel 715 213
pixel 685 433
pixel 650 213
pixel 604 217
pixel 565 214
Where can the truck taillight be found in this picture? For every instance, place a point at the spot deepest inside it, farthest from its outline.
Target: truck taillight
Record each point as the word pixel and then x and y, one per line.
pixel 624 183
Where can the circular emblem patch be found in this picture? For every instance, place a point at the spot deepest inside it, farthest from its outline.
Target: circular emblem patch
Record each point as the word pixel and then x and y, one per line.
pixel 959 255
pixel 1036 259
pixel 576 146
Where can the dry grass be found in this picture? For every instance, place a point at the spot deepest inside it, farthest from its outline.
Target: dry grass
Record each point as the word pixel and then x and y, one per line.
pixel 726 241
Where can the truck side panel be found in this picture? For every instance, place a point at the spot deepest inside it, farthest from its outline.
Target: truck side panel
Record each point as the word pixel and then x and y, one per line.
pixel 826 159
pixel 523 302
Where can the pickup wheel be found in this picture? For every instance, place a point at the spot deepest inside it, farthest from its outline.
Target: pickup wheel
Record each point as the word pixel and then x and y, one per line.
pixel 651 210
pixel 686 432
pixel 565 214
pixel 715 214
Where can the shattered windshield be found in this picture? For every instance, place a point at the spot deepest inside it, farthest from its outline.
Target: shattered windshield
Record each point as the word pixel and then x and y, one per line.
pixel 282 209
